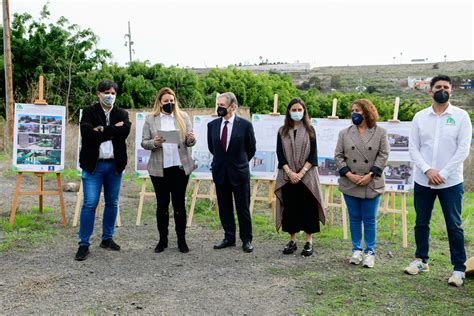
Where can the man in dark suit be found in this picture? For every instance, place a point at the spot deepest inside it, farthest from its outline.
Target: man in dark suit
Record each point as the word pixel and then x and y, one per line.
pixel 231 140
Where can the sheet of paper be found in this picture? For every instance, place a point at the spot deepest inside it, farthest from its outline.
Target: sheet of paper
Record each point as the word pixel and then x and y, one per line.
pixel 171 137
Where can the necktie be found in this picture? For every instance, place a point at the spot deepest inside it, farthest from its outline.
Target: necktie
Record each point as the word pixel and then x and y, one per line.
pixel 224 136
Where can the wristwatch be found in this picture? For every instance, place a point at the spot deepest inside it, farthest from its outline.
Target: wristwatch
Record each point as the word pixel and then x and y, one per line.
pixel 100 128
pixel 305 169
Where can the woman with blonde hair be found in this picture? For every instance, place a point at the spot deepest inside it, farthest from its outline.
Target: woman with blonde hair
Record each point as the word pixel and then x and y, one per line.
pixel 170 164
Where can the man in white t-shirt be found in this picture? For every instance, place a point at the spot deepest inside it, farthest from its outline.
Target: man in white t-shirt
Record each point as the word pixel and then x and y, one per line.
pixel 440 140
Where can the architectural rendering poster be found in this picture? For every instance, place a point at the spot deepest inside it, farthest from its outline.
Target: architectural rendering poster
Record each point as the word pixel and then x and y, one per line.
pixel 201 154
pixel 141 155
pixel 39 140
pixel 264 163
pixel 327 132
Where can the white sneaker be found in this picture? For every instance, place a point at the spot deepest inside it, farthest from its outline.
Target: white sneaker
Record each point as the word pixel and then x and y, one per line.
pixel 416 267
pixel 356 257
pixel 369 260
pixel 457 279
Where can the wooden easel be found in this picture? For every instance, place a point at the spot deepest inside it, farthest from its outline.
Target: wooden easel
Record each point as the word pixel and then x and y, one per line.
pixel 77 209
pixel 143 194
pixel 211 196
pixel 40 192
pixel 270 198
pixel 331 205
pixel 389 196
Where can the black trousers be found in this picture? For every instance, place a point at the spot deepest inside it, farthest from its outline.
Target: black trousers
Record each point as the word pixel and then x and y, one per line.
pixel 173 183
pixel 241 195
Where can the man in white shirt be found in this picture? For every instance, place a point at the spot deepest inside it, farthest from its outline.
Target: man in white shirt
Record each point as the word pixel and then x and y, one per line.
pixel 439 143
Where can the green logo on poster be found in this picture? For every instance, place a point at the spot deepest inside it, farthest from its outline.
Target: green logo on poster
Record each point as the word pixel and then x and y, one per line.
pixel 197 119
pixel 139 116
pixel 256 118
pixel 450 121
pixel 19 107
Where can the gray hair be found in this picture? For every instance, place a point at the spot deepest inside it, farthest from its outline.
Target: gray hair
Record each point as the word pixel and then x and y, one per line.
pixel 230 97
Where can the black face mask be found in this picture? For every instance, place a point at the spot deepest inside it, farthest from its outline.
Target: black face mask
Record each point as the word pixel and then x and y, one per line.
pixel 441 96
pixel 168 108
pixel 221 111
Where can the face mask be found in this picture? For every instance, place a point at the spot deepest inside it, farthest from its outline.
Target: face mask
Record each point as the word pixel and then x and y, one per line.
pixel 296 116
pixel 357 118
pixel 441 96
pixel 221 111
pixel 168 108
pixel 108 99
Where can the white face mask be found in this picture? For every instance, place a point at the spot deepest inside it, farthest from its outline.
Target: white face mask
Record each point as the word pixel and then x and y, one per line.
pixel 108 99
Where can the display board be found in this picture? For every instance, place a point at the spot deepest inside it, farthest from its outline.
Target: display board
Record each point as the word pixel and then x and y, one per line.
pixel 201 154
pixel 39 137
pixel 264 164
pixel 141 155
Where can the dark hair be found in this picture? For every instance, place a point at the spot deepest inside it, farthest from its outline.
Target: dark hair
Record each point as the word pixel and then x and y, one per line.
pixel 440 78
pixel 368 110
pixel 289 123
pixel 106 85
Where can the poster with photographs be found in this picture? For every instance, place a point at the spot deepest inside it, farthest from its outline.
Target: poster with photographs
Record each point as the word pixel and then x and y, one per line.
pixel 141 155
pixel 399 175
pixel 264 164
pixel 398 137
pixel 39 140
pixel 327 132
pixel 201 155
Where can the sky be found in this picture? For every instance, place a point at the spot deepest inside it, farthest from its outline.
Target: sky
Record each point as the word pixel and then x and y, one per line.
pixel 324 33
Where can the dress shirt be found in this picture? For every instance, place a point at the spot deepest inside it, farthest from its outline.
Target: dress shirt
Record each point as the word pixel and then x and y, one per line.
pixel 229 128
pixel 170 151
pixel 441 142
pixel 106 150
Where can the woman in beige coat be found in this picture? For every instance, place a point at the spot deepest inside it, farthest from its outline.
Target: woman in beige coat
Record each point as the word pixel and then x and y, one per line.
pixel 361 156
pixel 170 164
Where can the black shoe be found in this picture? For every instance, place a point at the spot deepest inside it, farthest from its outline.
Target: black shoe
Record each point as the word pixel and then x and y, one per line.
pixel 224 244
pixel 247 246
pixel 183 247
pixel 82 253
pixel 290 248
pixel 307 249
pixel 162 245
pixel 109 244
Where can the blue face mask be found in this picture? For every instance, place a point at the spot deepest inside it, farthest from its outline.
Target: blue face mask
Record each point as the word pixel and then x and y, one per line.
pixel 296 116
pixel 357 118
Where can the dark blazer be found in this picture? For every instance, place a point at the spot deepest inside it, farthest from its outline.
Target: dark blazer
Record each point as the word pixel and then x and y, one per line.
pixel 235 162
pixel 94 116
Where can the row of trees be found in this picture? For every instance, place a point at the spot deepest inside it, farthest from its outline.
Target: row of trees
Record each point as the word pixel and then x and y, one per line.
pixel 73 65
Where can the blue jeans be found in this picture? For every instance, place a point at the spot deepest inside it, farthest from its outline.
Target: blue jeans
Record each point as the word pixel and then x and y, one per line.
pixel 105 175
pixel 362 211
pixel 451 204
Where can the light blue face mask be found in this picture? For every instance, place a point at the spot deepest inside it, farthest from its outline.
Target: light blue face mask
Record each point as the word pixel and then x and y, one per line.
pixel 296 116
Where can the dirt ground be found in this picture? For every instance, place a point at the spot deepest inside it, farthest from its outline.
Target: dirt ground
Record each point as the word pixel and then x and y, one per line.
pixel 46 279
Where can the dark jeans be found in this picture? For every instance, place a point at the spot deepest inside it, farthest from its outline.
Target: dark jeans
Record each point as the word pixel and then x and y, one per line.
pixel 241 195
pixel 103 175
pixel 451 204
pixel 174 183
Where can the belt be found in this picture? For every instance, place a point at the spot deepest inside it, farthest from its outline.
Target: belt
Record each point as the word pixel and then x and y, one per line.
pixel 106 160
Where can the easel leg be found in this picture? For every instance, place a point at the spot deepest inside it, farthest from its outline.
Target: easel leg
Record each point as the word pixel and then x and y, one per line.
pixel 40 189
pixel 392 215
pixel 119 220
pixel 344 217
pixel 404 220
pixel 193 203
pixel 331 200
pixel 273 199
pixel 19 178
pixel 213 197
pixel 61 197
pixel 78 206
pixel 140 204
pixel 254 195
pixel 99 205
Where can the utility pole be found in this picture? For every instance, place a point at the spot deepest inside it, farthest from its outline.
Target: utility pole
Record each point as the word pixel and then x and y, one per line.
pixel 129 42
pixel 7 60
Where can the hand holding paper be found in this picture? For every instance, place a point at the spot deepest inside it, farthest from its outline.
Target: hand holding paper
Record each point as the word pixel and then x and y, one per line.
pixel 170 137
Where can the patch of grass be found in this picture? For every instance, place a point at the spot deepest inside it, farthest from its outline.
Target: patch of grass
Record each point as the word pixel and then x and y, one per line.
pixel 30 228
